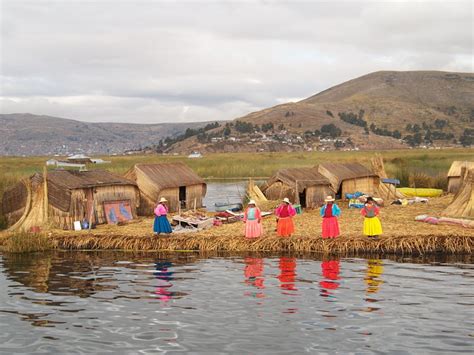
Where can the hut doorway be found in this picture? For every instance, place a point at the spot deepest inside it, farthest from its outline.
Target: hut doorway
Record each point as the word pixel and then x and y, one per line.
pixel 182 196
pixel 302 197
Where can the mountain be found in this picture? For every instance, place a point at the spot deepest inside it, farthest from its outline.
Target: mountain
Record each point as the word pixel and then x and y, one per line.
pixel 386 109
pixel 28 134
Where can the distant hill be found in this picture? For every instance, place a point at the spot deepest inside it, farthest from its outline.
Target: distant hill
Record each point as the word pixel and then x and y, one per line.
pixel 28 134
pixel 377 110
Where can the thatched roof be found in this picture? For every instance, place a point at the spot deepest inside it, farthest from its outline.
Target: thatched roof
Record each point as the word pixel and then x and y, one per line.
pixel 339 172
pixel 456 167
pixel 462 205
pixel 71 179
pixel 167 175
pixel 305 177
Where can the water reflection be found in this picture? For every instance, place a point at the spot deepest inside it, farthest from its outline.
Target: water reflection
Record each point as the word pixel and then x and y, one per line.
pixel 164 277
pixel 47 274
pixel 287 275
pixel 330 270
pixel 106 302
pixel 373 278
pixel 253 273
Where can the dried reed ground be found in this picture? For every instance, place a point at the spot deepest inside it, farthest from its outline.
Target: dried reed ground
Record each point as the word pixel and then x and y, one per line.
pixel 402 235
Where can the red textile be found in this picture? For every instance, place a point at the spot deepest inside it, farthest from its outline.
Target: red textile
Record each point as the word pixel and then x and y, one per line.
pixel 330 227
pixel 285 210
pixel 370 207
pixel 328 211
pixel 285 227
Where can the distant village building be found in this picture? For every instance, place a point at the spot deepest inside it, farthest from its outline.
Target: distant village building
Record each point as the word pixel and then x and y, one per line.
pixel 51 162
pixel 79 159
pixel 195 155
pixel 176 182
pixel 100 161
pixel 71 196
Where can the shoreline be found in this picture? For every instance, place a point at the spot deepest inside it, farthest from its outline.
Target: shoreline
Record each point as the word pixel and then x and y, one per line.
pixel 401 245
pixel 402 235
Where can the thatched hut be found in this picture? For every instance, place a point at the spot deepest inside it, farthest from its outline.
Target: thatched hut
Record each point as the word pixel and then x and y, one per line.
pixel 176 182
pixel 67 196
pixel 349 178
pixel 302 185
pixel 454 174
pixel 462 205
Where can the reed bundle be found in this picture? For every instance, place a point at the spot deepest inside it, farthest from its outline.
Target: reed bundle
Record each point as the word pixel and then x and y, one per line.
pixel 409 245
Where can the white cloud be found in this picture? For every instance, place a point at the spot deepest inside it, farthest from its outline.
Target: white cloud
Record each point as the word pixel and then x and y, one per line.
pixel 147 61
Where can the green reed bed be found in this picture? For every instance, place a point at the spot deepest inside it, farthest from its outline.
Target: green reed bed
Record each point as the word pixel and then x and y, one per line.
pixel 398 163
pixel 22 242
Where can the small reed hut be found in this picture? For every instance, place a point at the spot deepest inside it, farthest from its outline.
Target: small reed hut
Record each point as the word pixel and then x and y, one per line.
pixel 176 182
pixel 462 205
pixel 61 197
pixel 302 185
pixel 454 174
pixel 349 178
pixel 387 192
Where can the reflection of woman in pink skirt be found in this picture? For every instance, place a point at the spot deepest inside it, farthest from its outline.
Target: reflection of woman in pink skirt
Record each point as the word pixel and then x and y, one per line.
pixel 330 211
pixel 253 221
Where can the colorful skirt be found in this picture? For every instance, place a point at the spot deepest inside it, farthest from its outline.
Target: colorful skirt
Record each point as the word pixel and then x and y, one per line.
pixel 372 226
pixel 285 227
pixel 330 227
pixel 161 225
pixel 253 229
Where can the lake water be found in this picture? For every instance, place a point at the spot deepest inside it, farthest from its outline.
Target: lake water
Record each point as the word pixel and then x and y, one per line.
pixel 128 303
pixel 226 192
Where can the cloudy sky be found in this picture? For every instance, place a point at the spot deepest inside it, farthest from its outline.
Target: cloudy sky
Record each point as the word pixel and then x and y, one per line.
pixel 166 61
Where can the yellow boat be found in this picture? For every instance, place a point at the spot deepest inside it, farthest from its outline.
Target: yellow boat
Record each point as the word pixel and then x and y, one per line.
pixel 422 192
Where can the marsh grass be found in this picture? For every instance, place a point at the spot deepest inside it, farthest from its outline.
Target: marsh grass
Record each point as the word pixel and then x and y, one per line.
pixel 22 242
pixel 398 163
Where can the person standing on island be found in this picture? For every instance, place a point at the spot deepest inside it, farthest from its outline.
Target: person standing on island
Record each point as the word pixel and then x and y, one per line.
pixel 161 224
pixel 285 213
pixel 253 221
pixel 330 211
pixel 372 225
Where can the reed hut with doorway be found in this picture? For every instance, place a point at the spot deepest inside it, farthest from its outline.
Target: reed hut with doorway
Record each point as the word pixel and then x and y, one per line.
pixel 349 178
pixel 302 185
pixel 462 205
pixel 454 174
pixel 176 182
pixel 63 196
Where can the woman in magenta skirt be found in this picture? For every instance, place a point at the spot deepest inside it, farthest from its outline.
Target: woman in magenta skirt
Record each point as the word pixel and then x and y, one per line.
pixel 330 211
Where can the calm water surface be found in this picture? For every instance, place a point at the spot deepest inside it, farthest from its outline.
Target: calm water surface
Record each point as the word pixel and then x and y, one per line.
pixel 224 192
pixel 124 303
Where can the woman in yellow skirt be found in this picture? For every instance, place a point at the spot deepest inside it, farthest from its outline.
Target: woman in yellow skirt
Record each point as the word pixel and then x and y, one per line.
pixel 372 225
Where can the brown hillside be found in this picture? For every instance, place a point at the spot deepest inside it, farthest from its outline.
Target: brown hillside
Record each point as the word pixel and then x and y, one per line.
pixel 391 100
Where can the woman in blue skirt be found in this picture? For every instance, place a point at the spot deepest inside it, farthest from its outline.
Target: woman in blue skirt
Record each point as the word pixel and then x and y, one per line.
pixel 161 224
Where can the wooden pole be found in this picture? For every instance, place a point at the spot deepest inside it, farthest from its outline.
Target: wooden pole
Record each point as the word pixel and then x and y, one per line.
pixel 45 191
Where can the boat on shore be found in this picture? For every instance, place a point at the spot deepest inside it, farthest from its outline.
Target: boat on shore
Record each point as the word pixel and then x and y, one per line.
pixel 222 207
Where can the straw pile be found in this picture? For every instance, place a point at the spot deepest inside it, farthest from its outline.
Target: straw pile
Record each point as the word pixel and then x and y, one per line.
pixel 402 235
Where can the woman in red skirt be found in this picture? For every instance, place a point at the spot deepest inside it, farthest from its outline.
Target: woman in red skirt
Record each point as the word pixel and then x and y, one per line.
pixel 330 211
pixel 285 213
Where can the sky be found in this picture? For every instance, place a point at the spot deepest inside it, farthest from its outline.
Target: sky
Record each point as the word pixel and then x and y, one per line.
pixel 152 61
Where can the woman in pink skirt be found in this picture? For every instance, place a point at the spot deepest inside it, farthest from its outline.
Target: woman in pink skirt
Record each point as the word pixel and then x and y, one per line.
pixel 253 221
pixel 330 211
